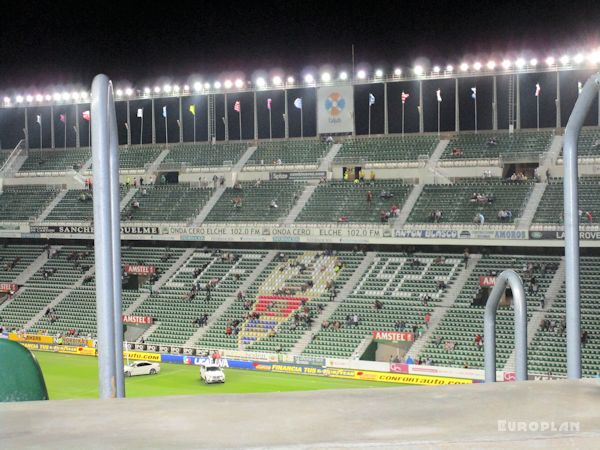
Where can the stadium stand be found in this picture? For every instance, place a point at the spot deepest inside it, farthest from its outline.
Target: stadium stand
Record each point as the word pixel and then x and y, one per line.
pixel 547 354
pixel 387 148
pixel 399 283
pixel 487 145
pixel 204 154
pixel 14 259
pixel 303 152
pixel 588 144
pixel 342 201
pixel 139 156
pixel 459 202
pixel 453 342
pixel 549 213
pixel 55 160
pixel 76 205
pixel 166 203
pixel 256 202
pixel 24 203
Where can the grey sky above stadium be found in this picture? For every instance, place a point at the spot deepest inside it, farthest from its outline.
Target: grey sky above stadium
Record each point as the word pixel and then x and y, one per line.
pixel 52 43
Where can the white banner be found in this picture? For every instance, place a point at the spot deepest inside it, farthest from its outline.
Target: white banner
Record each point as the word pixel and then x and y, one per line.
pixel 335 109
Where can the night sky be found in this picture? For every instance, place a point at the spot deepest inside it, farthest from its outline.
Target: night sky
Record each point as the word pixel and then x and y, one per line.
pixel 46 44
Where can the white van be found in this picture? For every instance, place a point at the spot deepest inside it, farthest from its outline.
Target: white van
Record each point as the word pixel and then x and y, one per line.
pixel 211 373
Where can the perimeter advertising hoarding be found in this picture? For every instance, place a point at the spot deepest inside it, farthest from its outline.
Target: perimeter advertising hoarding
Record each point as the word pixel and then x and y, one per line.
pixel 560 235
pixel 335 109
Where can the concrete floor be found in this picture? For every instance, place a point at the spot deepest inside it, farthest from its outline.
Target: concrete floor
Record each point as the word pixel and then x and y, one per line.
pixel 460 416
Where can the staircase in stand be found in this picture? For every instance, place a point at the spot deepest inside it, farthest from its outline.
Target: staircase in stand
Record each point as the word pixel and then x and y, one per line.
pixel 301 202
pixel 532 204
pixel 408 205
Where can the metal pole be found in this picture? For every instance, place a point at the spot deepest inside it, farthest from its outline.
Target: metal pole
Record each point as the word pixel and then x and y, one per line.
pixel 194 127
pixel 421 119
pixel 166 132
pixel 438 117
pixel 180 119
pixel 518 82
pixel 558 115
pixel 285 115
pixel 40 132
pixel 537 104
pixel 26 128
pixel 65 124
pixel 386 128
pixel 128 124
pixel 302 121
pixel 240 121
pixel 255 118
pixel 495 106
pixel 142 128
pixel 107 239
pixel 52 143
pixel 370 118
pixel 570 176
pixel 270 124
pixel 475 105
pixel 402 118
pixel 456 107
pixel 226 121
pixel 153 124
pixel 508 277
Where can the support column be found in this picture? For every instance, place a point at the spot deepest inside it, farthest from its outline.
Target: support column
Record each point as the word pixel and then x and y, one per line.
pixel 128 124
pixel 26 128
pixel 180 119
pixel 286 119
pixel 495 106
pixel 77 139
pixel 456 107
pixel 557 101
pixel 421 120
pixel 52 144
pixel 153 123
pixel 518 124
pixel 226 118
pixel 386 129
pixel 255 118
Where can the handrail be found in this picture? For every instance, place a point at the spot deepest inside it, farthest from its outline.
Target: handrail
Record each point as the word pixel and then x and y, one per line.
pixel 12 155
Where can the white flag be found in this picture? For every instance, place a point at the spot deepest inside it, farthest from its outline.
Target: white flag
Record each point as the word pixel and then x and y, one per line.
pixel 38 119
pixel 140 112
pixel 439 95
pixel 298 103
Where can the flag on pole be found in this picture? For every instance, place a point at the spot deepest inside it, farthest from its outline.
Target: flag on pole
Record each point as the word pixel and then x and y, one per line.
pixel 38 119
pixel 405 95
pixel 140 113
pixel 165 112
pixel 237 107
pixel 579 87
pixel 269 103
pixel 537 89
pixel 193 109
pixel 439 95
pixel 474 93
pixel 86 115
pixel 298 103
pixel 371 99
pixel 63 118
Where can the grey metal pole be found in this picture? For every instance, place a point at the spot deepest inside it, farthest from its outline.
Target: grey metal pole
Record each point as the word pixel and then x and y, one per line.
pixel 26 128
pixel 495 105
pixel 386 128
pixel 456 107
pixel 421 119
pixel 226 122
pixel 153 124
pixel 286 115
pixel 107 238
pixel 518 125
pixel 508 277
pixel 52 127
pixel 128 124
pixel 180 119
pixel 255 118
pixel 558 115
pixel 302 121
pixel 370 118
pixel 240 121
pixel 77 139
pixel 570 176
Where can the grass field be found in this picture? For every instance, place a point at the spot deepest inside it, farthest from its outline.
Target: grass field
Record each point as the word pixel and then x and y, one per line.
pixel 70 377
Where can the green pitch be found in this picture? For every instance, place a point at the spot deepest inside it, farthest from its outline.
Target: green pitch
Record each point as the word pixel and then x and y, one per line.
pixel 69 377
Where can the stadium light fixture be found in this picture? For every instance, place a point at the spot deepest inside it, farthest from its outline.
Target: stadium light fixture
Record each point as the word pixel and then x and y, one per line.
pixel 277 81
pixel 343 76
pixel 66 96
pixel 186 87
pixel 308 78
pixel 206 86
pixel 594 57
pixel 436 69
pixel 379 73
pixel 39 98
pixel 128 92
pixel 6 100
pixel 450 68
pixel 477 66
pixel 290 80
pixel 217 85
pixel 491 65
pixel 550 61
pixel 418 70
pixel 75 95
pixel 506 64
pixel 227 84
pixel 326 77
pixel 119 92
pixel 239 83
pixel 564 60
pixel 260 82
pixel 176 88
pixel 146 90
pixel 167 88
pixel 361 74
pixel 56 97
pixel 19 99
pixel 29 98
pixel 533 62
pixel 578 59
pixel 48 97
pixel 157 89
pixel 198 86
pixel 397 71
pixel 464 67
pixel 520 63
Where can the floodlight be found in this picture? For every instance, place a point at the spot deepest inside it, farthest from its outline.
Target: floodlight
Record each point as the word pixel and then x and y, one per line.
pixel 343 75
pixel 326 77
pixel 239 83
pixel 227 84
pixel 361 74
pixel 418 70
pixel 464 67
